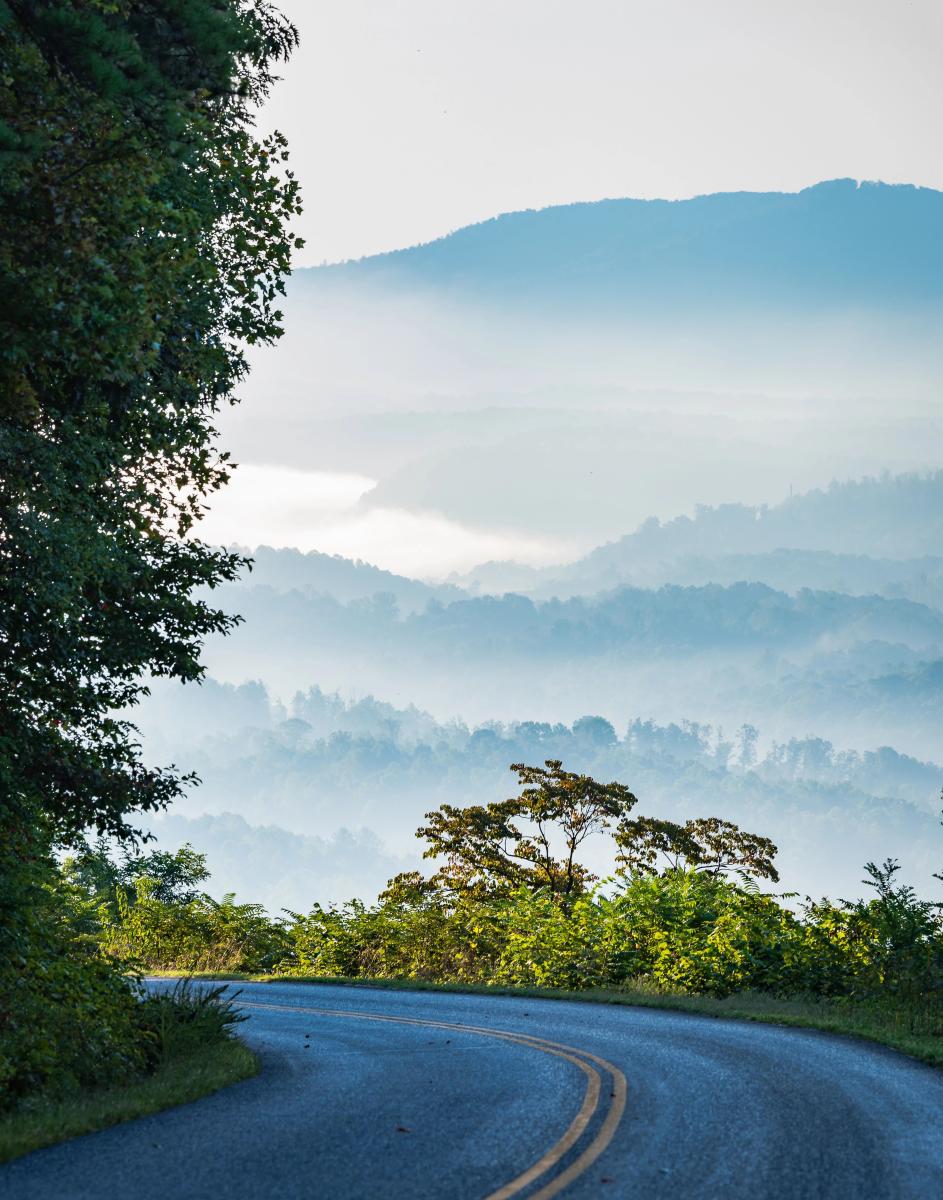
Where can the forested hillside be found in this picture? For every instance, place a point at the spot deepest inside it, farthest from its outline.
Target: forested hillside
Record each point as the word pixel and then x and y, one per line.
pixel 838 242
pixel 322 765
pixel 878 535
pixel 859 669
pixel 813 697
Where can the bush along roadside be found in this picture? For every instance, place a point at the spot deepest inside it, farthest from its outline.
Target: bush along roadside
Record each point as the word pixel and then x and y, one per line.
pixel 683 923
pixel 183 1048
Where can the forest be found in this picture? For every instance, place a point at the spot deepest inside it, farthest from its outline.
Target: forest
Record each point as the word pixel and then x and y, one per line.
pixel 809 628
pixel 319 775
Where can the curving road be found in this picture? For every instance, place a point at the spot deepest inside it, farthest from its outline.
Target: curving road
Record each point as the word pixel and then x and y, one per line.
pixel 371 1093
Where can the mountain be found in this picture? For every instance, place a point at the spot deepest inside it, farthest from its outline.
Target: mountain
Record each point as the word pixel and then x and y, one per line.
pixel 858 670
pixel 879 535
pixel 286 569
pixel 558 376
pixel 335 771
pixel 837 243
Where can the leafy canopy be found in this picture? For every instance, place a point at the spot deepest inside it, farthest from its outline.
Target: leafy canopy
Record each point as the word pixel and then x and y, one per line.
pixel 143 244
pixel 706 844
pixel 512 843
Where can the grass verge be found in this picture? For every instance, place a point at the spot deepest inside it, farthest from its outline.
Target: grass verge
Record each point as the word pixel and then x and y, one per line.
pixel 912 1030
pixel 179 1080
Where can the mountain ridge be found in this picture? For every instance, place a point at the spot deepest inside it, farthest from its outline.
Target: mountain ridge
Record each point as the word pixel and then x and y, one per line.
pixel 846 241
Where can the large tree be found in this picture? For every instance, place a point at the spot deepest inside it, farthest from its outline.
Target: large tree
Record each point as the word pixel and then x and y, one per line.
pixel 143 244
pixel 528 840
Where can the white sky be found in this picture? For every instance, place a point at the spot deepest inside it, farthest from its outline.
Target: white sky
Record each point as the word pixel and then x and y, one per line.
pixel 410 118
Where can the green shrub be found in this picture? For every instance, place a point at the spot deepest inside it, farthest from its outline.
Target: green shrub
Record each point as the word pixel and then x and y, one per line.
pixel 68 1015
pixel 201 934
pixel 694 932
pixel 184 1018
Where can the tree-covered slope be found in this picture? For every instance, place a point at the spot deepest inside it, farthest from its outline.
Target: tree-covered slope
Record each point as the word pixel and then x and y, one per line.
pixel 879 535
pixel 838 243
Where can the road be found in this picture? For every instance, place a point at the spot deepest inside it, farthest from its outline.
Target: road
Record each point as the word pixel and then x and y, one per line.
pixel 434 1096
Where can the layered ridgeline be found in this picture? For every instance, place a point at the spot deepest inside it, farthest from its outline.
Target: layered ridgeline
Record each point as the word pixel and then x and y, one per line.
pixel 577 378
pixel 796 687
pixel 829 620
pixel 879 536
pixel 872 536
pixel 561 375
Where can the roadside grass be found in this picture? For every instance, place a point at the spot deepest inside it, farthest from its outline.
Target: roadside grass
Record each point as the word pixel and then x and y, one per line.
pixel 195 1054
pixel 177 1081
pixel 913 1029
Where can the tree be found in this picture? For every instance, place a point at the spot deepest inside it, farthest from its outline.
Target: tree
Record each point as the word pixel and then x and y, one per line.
pixel 705 844
pixel 511 843
pixel 143 244
pixel 597 731
pixel 747 738
pixel 906 956
pixel 175 876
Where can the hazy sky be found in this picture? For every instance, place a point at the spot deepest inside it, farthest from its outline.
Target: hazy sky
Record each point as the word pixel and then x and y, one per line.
pixel 409 118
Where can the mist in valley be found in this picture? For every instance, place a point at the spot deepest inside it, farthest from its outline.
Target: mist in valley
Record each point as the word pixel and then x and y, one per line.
pixel 667 506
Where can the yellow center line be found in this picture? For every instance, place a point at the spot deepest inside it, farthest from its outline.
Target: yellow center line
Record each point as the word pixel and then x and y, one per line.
pixel 577 1126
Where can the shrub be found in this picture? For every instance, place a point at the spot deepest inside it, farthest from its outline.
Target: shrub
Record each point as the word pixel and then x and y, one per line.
pixel 184 1018
pixel 201 934
pixel 68 1016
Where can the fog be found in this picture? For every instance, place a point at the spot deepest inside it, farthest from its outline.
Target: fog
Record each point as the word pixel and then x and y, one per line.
pixel 487 436
pixel 686 483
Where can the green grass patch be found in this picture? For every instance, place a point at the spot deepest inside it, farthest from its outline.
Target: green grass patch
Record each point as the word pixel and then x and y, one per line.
pixel 178 1080
pixel 913 1030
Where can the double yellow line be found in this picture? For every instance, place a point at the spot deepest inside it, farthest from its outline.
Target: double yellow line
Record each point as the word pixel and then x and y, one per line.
pixel 594 1097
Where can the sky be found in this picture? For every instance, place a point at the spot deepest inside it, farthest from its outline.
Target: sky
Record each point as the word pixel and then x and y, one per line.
pixel 410 118
pixel 407 119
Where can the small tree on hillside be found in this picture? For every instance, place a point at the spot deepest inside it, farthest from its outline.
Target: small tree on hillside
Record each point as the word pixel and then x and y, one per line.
pixel 705 844
pixel 512 843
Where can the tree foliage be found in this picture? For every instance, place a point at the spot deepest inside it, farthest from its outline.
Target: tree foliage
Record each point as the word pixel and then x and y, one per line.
pixel 513 843
pixel 143 245
pixel 174 876
pixel 143 242
pixel 703 844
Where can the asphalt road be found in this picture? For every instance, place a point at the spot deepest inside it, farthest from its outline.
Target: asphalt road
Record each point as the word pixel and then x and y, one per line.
pixel 371 1093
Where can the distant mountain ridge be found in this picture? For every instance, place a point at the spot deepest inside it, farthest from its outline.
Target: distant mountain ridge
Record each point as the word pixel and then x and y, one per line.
pixel 896 518
pixel 836 243
pixel 899 516
pixel 286 569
